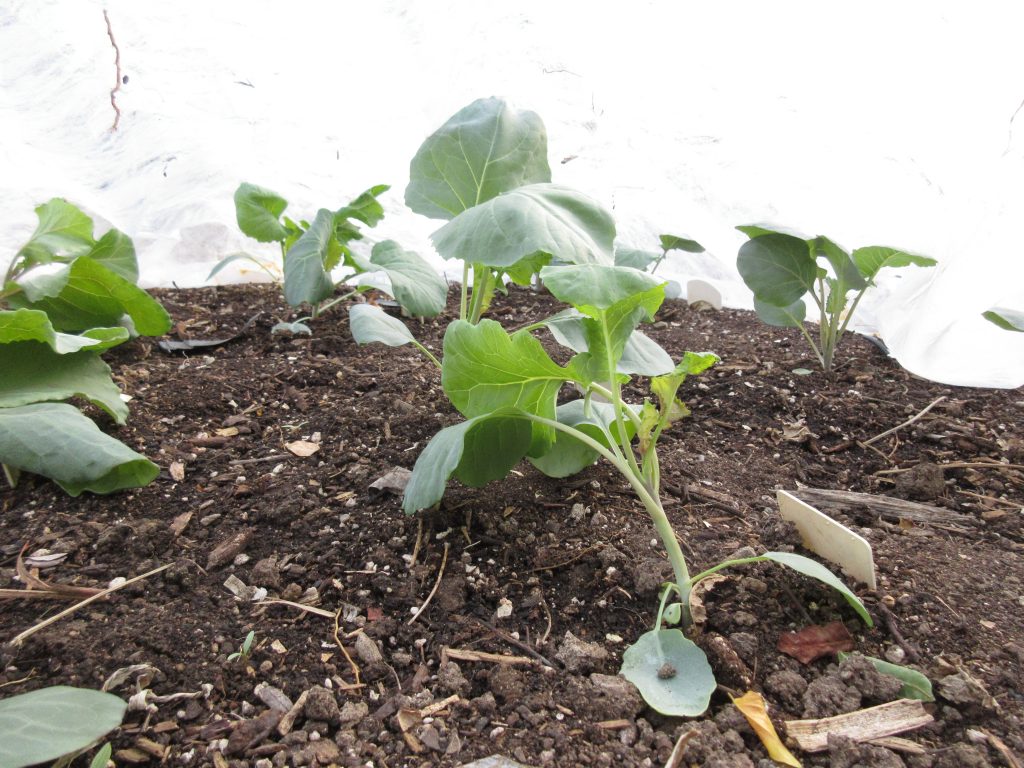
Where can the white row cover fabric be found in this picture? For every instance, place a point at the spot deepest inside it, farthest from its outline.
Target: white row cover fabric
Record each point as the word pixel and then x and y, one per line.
pixel 875 123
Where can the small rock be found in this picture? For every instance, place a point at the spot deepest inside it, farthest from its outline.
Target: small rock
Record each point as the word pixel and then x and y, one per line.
pixel 828 696
pixel 857 671
pixel 265 573
pixel 788 686
pixel 620 692
pixel 292 592
pixel 367 649
pixel 894 654
pixel 506 683
pixel 504 609
pixel 451 679
pixel 249 733
pixel 322 705
pixel 579 655
pixel 273 697
pixel 649 574
pixel 430 737
pixel 962 756
pixel 964 689
pixel 319 752
pixel 745 644
pixel 352 712
pixel 924 482
pixel 844 752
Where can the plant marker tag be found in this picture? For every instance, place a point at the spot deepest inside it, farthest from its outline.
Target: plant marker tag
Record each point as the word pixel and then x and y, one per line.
pixel 833 541
pixel 700 290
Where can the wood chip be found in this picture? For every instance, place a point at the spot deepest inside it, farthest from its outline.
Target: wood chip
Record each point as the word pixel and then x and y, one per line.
pixel 613 725
pixel 287 722
pixel 180 523
pixel 177 470
pixel 437 706
pixel 883 506
pixel 132 756
pixel 158 751
pixel 862 725
pixel 228 549
pixel 896 744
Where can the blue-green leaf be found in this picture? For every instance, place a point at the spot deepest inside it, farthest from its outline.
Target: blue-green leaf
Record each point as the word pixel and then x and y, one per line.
pixel 49 723
pixel 258 212
pixel 544 218
pixel 483 150
pixel 55 440
pixel 671 672
pixel 306 281
pixel 476 451
pixel 874 258
pixel 778 268
pixel 63 231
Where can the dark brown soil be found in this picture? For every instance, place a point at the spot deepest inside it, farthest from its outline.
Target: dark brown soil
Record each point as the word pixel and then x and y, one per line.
pixel 575 556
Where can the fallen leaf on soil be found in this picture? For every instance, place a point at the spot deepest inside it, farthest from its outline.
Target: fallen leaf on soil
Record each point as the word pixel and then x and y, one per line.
pixel 180 523
pixel 698 612
pixel 177 470
pixel 394 481
pixel 302 448
pixel 752 705
pixel 862 725
pixel 816 641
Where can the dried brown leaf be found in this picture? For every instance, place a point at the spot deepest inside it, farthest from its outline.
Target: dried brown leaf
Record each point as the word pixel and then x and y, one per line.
pixel 816 641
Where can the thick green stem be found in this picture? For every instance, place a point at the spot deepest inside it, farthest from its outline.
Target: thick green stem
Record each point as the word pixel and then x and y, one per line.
pixel 727 564
pixel 463 296
pixel 428 354
pixel 482 278
pixel 653 506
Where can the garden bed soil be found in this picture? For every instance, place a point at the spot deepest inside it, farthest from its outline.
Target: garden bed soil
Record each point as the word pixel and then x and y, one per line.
pixel 522 566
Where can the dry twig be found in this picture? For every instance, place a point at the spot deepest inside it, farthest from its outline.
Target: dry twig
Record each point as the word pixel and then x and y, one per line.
pixel 117 67
pixel 906 423
pixel 440 573
pixel 341 647
pixel 19 639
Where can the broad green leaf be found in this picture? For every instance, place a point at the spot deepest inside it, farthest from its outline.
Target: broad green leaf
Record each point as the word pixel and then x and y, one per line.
pixel 568 455
pixel 637 259
pixel 541 217
pixel 34 373
pixel 484 369
pixel 641 355
pixel 116 252
pixel 781 317
pixel 599 286
pixel 873 258
pixel 476 451
pixel 816 570
pixel 756 230
pixel 483 150
pixel 1007 319
pixel 666 387
pixel 371 324
pixel 258 211
pixel 846 271
pixel 305 278
pixel 779 269
pixel 523 271
pixel 34 325
pixel 55 440
pixel 44 725
pixel 671 672
pixel 63 231
pixel 414 283
pixel 365 208
pixel 85 294
pixel 915 684
pixel 677 243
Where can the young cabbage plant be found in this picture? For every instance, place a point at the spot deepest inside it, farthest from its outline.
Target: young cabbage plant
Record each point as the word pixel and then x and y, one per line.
pixel 631 257
pixel 485 172
pixel 506 386
pixel 67 297
pixel 310 251
pixel 781 268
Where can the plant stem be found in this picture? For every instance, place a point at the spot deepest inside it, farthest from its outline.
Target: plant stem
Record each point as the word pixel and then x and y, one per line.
pixel 324 307
pixel 653 505
pixel 427 352
pixel 463 303
pixel 727 564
